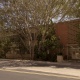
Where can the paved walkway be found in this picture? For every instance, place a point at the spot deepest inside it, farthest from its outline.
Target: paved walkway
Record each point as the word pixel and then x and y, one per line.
pixel 53 69
pixel 64 68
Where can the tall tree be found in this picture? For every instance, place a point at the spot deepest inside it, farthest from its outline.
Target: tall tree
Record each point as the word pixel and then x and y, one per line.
pixel 22 15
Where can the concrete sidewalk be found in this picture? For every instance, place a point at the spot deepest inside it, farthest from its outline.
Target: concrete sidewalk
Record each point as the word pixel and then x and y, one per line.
pixel 64 68
pixel 53 69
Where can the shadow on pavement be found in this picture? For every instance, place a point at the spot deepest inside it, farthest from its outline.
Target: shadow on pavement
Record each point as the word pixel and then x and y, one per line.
pixel 27 63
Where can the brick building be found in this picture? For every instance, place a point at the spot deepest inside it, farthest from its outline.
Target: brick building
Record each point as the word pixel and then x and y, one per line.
pixel 67 32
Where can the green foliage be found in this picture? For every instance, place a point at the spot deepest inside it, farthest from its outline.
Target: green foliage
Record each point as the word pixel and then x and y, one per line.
pixel 19 14
pixel 4 47
pixel 47 43
pixel 18 41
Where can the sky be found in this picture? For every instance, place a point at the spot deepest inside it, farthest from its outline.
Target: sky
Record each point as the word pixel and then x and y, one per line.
pixel 1 5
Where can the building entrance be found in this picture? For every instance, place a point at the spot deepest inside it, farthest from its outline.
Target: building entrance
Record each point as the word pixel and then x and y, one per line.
pixel 74 51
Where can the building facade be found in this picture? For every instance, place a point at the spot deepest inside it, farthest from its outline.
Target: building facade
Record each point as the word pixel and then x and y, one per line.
pixel 67 32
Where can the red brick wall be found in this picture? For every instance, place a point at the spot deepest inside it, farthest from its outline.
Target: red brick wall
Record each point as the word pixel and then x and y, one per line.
pixel 66 31
pixel 61 30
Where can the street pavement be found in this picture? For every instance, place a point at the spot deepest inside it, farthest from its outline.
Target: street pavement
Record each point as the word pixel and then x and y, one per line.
pixel 63 70
pixel 8 75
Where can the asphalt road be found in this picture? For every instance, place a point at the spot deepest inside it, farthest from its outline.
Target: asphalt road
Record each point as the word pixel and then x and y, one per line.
pixel 13 75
